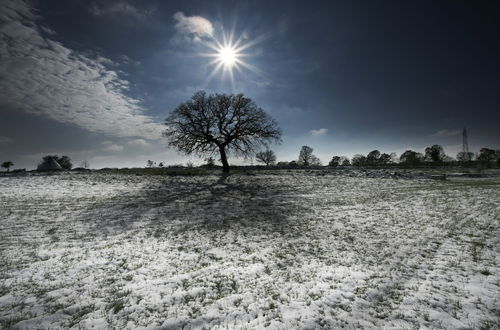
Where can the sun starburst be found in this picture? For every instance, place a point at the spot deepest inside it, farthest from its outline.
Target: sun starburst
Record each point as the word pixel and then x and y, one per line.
pixel 228 56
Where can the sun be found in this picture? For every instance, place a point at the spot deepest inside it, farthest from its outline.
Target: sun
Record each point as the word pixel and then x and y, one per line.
pixel 228 56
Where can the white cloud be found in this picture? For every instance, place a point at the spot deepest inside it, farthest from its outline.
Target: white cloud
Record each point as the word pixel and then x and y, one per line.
pixel 318 132
pixel 43 77
pixel 139 143
pixel 196 26
pixel 447 132
pixel 113 147
pixel 6 140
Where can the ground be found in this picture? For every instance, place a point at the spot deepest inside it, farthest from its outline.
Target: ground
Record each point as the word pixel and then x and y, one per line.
pixel 277 249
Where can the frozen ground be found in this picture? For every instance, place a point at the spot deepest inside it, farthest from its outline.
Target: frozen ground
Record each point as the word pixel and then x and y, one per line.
pixel 280 250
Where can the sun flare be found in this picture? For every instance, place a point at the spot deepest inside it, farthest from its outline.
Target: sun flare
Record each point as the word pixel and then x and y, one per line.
pixel 228 56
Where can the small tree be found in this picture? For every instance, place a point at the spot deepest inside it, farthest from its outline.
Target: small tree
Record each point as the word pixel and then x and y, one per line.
pixel 315 161
pixel 306 156
pixel 486 157
pixel 384 159
pixel 7 165
pixel 266 157
pixel 64 161
pixel 372 158
pixel 150 163
pixel 339 160
pixel 220 123
pixel 410 158
pixel 358 160
pixel 434 154
pixel 335 161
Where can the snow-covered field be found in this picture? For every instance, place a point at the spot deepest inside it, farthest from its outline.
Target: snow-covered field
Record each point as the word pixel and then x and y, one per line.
pixel 280 249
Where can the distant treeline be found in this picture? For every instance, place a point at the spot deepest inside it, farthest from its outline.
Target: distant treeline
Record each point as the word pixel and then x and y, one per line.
pixel 432 156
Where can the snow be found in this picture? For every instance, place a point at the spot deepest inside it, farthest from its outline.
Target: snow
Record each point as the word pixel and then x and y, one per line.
pixel 277 249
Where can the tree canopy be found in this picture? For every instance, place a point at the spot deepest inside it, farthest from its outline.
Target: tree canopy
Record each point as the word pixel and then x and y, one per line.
pixel 486 157
pixel 306 157
pixel 227 124
pixel 435 153
pixel 266 157
pixel 410 158
pixel 7 165
pixel 64 161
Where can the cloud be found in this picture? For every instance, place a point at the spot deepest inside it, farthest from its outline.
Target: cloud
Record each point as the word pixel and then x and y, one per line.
pixel 114 147
pixel 193 26
pixel 6 140
pixel 318 132
pixel 43 77
pixel 116 8
pixel 110 146
pixel 447 132
pixel 139 143
pixel 127 60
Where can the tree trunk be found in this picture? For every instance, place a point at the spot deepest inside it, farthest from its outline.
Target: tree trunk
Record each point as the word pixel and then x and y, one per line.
pixel 223 159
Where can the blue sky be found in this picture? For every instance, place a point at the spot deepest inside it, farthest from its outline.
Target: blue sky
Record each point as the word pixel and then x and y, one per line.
pixel 95 79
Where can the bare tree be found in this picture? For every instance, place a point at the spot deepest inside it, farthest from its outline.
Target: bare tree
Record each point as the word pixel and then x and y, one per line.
pixel 266 157
pixel 306 156
pixel 315 161
pixel 227 124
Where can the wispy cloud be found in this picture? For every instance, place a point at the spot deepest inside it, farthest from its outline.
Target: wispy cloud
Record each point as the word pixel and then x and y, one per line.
pixel 6 140
pixel 318 132
pixel 193 26
pixel 114 147
pixel 138 143
pixel 110 8
pixel 447 132
pixel 110 146
pixel 43 77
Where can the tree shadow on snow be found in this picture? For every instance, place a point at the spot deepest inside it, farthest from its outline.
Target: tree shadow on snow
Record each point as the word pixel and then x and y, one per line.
pixel 250 203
